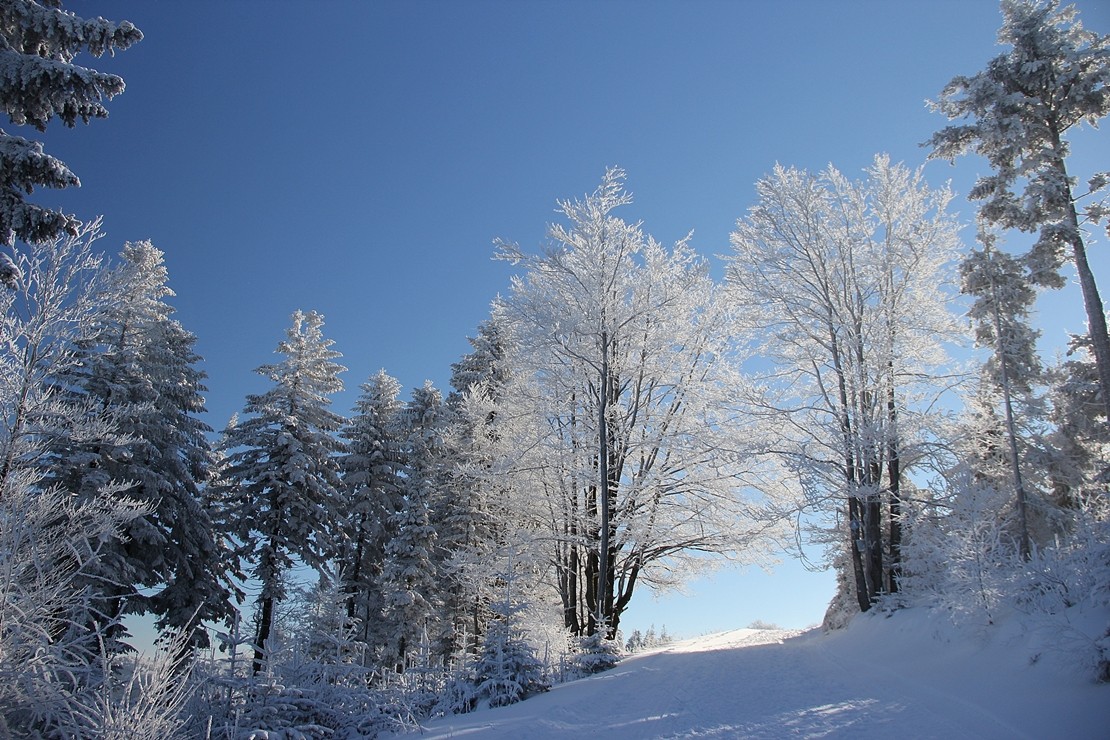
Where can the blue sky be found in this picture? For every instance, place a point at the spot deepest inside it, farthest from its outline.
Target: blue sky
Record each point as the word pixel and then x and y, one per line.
pixel 359 159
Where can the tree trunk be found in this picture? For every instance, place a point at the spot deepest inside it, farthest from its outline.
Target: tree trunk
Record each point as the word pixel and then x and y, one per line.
pixel 265 622
pixel 894 484
pixel 1092 302
pixel 855 536
pixel 1011 432
pixel 603 596
pixel 851 474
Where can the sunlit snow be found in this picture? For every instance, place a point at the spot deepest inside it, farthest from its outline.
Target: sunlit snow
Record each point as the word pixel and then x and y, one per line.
pixel 906 675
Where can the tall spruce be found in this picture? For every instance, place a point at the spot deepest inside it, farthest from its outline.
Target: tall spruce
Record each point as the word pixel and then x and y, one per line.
pixel 138 367
pixel 40 81
pixel 281 480
pixel 1003 298
pixel 413 590
pixel 474 522
pixel 372 490
pixel 1055 77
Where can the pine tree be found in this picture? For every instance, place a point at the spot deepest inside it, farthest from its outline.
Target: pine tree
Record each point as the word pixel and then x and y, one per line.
pixel 1003 298
pixel 138 367
pixel 411 575
pixel 39 81
pixel 1079 442
pixel 507 669
pixel 281 479
pixel 372 490
pixel 1056 76
pixel 474 518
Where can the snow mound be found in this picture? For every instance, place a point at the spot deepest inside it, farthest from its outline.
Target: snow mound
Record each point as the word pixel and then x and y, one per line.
pixel 902 675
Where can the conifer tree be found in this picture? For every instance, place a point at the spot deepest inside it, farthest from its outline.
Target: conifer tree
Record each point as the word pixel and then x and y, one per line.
pixel 1003 298
pixel 138 367
pixel 281 476
pixel 1056 76
pixel 372 490
pixel 474 520
pixel 507 669
pixel 1079 443
pixel 39 81
pixel 411 576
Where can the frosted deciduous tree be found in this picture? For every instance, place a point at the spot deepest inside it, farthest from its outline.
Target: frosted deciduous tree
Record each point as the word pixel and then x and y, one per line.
pixel 138 367
pixel 839 284
pixel 40 81
pixel 1056 76
pixel 612 421
pixel 51 295
pixel 49 539
pixel 281 477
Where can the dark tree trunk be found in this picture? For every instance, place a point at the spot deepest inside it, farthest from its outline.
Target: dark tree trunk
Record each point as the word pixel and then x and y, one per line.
pixel 855 527
pixel 873 519
pixel 591 578
pixel 604 601
pixel 894 487
pixel 265 623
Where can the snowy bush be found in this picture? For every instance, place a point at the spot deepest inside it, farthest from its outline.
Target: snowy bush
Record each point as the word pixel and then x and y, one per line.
pixel 963 559
pixel 1066 587
pixel 647 640
pixel 507 669
pixel 595 654
pixel 459 694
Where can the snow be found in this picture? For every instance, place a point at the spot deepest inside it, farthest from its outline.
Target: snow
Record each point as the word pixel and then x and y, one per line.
pixel 775 683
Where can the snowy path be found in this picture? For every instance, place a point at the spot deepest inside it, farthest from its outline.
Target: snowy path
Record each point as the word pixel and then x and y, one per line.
pixel 774 684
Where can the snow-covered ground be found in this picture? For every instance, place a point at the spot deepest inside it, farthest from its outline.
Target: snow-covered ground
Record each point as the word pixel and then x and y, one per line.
pixel 909 675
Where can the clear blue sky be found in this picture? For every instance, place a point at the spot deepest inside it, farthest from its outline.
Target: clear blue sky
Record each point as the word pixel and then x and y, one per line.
pixel 359 158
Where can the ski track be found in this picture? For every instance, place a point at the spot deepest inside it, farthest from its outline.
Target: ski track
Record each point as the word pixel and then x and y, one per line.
pixel 746 684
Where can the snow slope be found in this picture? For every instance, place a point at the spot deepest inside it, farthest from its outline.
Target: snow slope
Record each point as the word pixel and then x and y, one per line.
pixel 883 677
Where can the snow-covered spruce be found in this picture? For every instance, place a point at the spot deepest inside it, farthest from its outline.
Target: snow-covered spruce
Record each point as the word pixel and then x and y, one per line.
pixel 39 82
pixel 280 485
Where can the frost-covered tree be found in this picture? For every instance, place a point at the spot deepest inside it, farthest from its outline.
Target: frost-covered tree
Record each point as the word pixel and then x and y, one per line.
pixel 410 576
pixel 281 478
pixel 50 297
pixel 1080 438
pixel 484 366
pixel 507 669
pixel 372 491
pixel 50 672
pixel 473 523
pixel 40 81
pixel 1018 111
pixel 612 426
pixel 1000 313
pixel 138 367
pixel 838 284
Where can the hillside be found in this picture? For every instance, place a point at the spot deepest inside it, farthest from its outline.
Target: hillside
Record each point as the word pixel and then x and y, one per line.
pixel 907 675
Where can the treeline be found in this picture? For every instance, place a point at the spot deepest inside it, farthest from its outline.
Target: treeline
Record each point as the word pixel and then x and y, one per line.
pixel 622 419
